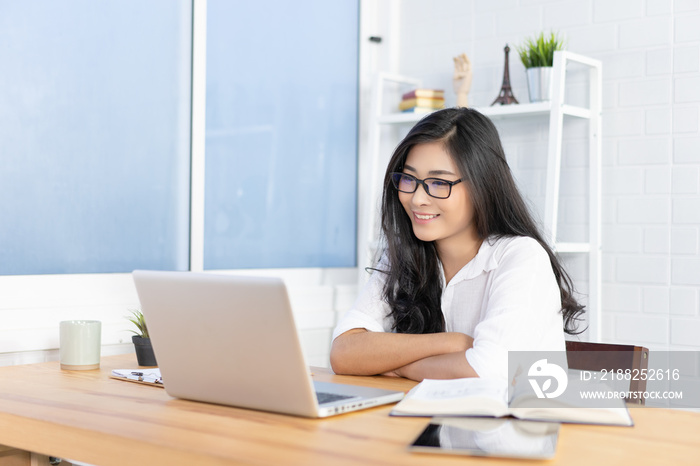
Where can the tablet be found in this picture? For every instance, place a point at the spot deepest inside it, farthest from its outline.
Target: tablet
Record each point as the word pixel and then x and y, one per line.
pixel 509 438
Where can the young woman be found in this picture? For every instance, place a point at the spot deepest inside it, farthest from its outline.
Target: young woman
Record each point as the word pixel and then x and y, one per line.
pixel 466 276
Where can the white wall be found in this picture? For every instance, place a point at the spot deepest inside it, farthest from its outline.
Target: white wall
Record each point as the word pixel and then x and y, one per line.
pixel 651 137
pixel 32 306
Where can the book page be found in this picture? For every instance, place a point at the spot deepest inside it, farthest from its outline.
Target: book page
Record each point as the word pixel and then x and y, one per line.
pixel 456 397
pixel 430 389
pixel 569 407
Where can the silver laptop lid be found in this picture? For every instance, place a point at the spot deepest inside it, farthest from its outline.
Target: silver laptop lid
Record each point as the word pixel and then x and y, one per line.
pixel 226 339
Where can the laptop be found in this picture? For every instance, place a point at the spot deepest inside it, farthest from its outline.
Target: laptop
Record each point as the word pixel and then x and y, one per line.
pixel 232 340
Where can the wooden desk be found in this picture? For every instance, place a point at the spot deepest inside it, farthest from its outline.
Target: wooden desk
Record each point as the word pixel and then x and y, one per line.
pixel 87 416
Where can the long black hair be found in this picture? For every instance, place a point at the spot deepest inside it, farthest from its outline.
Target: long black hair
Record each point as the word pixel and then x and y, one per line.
pixel 413 287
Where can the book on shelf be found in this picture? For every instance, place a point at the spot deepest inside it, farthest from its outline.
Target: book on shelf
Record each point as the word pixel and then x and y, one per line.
pixel 429 93
pixel 422 102
pixel 490 398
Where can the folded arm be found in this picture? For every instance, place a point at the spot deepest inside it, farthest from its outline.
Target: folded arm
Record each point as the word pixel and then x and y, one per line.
pixel 442 366
pixel 360 352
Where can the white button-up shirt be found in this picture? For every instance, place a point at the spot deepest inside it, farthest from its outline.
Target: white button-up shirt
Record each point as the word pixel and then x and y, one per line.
pixel 506 298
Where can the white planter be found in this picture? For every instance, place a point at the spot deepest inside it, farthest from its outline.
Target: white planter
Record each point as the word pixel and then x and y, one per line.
pixel 539 83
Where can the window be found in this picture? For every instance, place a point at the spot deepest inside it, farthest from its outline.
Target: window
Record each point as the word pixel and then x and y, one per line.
pixel 281 134
pixel 94 124
pixel 95 121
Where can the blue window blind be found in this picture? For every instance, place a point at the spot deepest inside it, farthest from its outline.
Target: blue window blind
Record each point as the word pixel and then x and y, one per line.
pixel 281 134
pixel 94 135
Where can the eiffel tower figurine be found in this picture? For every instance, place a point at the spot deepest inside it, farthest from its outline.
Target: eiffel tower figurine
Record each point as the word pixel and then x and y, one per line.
pixel 505 97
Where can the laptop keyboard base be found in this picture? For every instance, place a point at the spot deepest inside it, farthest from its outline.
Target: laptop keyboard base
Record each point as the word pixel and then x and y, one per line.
pixel 324 397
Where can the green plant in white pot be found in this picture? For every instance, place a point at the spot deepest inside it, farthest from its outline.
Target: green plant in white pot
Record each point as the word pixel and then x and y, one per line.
pixel 537 54
pixel 142 340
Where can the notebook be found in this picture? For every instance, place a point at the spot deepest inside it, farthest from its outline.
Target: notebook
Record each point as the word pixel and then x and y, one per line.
pixel 232 340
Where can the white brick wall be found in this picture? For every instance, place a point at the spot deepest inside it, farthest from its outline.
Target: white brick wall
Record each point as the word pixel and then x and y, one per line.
pixel 619 123
pixel 643 210
pixel 687 89
pixel 685 332
pixel 658 121
pixel 686 149
pixel 643 151
pixel 686 27
pixel 685 180
pixel 317 297
pixel 686 59
pixel 567 14
pixel 684 241
pixel 645 92
pixel 686 211
pixel 651 137
pixel 646 32
pixel 659 62
pixel 684 301
pixel 656 240
pixel 656 300
pixel 685 271
pixel 647 330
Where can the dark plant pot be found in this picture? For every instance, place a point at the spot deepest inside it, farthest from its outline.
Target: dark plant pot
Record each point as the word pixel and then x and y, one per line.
pixel 144 351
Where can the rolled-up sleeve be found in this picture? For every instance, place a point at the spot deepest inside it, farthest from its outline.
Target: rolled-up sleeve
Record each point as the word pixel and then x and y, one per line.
pixel 370 311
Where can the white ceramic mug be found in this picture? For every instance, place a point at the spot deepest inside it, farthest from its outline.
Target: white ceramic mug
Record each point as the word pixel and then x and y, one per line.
pixel 80 342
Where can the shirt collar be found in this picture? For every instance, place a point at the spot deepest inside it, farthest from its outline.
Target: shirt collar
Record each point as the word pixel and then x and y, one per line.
pixel 484 261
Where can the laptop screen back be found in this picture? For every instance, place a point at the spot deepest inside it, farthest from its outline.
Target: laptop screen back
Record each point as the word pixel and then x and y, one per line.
pixel 226 339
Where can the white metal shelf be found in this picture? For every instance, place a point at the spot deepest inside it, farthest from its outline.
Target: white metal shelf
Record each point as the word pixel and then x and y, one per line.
pixel 572 247
pixel 530 109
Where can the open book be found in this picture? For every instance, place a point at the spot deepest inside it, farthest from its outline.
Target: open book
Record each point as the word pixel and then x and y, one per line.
pixel 484 397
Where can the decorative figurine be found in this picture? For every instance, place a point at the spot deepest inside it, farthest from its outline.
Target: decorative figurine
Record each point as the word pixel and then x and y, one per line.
pixel 505 97
pixel 462 80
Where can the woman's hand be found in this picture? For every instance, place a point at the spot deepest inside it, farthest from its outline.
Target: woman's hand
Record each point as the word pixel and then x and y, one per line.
pixel 461 341
pixel 443 366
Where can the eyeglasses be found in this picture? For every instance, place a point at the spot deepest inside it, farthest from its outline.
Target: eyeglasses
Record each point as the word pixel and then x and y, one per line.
pixel 434 187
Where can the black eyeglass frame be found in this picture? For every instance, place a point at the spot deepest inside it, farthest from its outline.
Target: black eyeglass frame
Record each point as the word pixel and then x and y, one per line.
pixel 396 178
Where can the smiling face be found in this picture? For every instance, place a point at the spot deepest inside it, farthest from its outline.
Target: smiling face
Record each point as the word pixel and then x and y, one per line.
pixel 449 222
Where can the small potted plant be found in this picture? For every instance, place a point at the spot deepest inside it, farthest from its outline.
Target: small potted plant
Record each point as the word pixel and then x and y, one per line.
pixel 537 54
pixel 141 340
